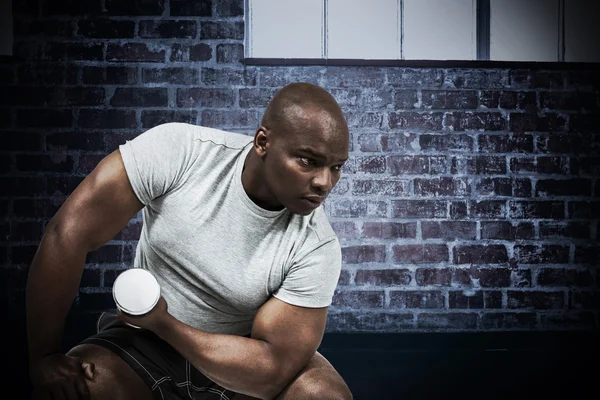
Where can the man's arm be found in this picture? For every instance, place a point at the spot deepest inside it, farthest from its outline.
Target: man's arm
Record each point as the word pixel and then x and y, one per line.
pixel 284 339
pixel 93 214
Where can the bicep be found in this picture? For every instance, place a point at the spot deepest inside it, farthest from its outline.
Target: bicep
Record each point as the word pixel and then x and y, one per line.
pixel 294 333
pixel 100 206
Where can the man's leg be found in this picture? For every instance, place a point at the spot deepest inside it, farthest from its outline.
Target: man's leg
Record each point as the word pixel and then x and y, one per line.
pixel 317 381
pixel 113 378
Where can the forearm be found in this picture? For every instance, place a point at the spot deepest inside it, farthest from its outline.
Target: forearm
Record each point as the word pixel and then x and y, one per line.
pixel 240 364
pixel 52 284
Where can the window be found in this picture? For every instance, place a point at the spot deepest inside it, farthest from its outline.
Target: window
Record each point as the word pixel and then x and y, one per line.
pixel 499 30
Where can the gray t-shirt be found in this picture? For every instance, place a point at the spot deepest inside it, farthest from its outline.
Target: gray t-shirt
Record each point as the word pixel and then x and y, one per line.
pixel 217 255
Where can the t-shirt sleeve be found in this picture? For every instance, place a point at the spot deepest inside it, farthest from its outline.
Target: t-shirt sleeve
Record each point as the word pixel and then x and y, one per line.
pixel 311 281
pixel 156 160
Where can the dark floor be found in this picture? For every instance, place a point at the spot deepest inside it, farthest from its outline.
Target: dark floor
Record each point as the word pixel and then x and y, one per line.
pixel 508 365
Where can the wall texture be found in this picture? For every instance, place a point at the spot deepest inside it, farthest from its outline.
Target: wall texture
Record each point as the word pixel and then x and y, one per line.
pixel 471 200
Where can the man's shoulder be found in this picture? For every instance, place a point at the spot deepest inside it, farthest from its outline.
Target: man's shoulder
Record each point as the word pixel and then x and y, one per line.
pixel 319 226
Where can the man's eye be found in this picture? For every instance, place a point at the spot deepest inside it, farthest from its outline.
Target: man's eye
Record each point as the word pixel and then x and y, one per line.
pixel 307 161
pixel 338 167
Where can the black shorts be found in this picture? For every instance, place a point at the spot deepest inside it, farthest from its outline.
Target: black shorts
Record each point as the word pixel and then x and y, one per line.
pixel 162 368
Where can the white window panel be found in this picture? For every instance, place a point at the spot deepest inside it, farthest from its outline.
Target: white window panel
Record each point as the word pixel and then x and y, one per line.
pixel 360 29
pixel 285 28
pixel 440 30
pixel 524 30
pixel 582 30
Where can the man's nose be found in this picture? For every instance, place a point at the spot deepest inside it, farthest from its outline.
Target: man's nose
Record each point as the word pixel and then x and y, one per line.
pixel 323 180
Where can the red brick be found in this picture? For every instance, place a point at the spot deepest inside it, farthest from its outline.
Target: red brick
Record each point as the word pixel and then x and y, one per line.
pixel 362 77
pixel 62 185
pixel 505 320
pixel 563 187
pixel 447 321
pixel 536 299
pixel 449 99
pixel 35 118
pixel 368 321
pixel 91 277
pixel 584 209
pixel 491 277
pixel 131 52
pixel 492 299
pixel 467 300
pixel 448 230
pixel 548 79
pixel 565 144
pixel 536 209
pixel 480 254
pixel 456 187
pixel 17 231
pixel 476 121
pixel 358 299
pixel 231 8
pixel 176 76
pixel 446 142
pixel 223 119
pixel 44 163
pixel 487 209
pixel 23 254
pixel 35 208
pixel 420 254
pixel 105 28
pixel 419 209
pixel 417 299
pixel 564 277
pixel 505 143
pixel 184 53
pixel 526 122
pixel 107 119
pixel 562 230
pixel 584 300
pixel 587 254
pixel 461 78
pixel 405 99
pixel 412 78
pixel 399 142
pixel 543 254
pixel 11 277
pixel 107 254
pixel 160 29
pixel 228 77
pixel 152 118
pixel 380 187
pixel 110 275
pixel 372 165
pixel 185 8
pixel 389 230
pixel 568 320
pixel 344 278
pixel 520 277
pixel 458 210
pixel 433 276
pixel 486 165
pixel 362 254
pixel 109 75
pixel 139 97
pixel 349 208
pixel 344 230
pixel 573 101
pixel 23 186
pixel 221 30
pixel 205 97
pixel 414 120
pixel 403 165
pixel 383 277
pixel 364 119
pixel 131 231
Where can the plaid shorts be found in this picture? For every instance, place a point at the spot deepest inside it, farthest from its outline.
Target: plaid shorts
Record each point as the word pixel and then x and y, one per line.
pixel 161 367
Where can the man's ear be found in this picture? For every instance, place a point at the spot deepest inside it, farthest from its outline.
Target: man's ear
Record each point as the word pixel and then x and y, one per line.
pixel 261 140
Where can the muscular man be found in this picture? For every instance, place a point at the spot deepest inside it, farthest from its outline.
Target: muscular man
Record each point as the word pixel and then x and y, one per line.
pixel 234 231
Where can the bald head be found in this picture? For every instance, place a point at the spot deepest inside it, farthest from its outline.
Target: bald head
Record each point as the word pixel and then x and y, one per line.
pixel 302 104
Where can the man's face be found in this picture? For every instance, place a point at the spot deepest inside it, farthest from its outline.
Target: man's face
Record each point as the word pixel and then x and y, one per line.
pixel 303 165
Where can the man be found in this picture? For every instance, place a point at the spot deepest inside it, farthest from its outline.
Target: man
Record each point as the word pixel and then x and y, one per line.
pixel 236 236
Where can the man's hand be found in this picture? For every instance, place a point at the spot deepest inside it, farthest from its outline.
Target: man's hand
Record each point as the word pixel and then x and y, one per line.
pixel 59 377
pixel 148 321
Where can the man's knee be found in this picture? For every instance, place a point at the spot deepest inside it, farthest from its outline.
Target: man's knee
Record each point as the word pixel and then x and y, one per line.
pixel 113 378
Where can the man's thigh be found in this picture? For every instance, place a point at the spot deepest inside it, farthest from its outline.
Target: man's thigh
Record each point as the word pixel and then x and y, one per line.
pixel 318 380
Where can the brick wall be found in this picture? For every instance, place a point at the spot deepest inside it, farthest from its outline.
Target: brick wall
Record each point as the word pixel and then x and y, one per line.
pixel 470 201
